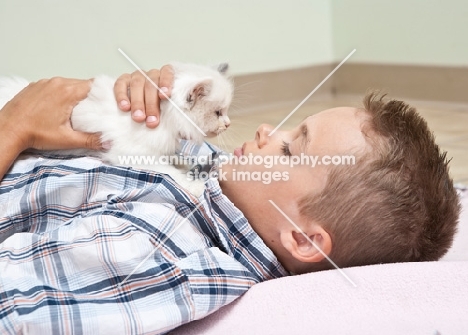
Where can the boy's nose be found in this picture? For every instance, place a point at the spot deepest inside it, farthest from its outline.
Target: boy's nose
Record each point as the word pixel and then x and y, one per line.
pixel 261 136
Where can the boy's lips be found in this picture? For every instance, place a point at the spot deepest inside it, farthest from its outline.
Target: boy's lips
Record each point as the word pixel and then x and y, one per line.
pixel 239 151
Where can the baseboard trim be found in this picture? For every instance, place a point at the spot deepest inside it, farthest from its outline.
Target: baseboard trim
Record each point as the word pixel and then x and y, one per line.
pixel 432 83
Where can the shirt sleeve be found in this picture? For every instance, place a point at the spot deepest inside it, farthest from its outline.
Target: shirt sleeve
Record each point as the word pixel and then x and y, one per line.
pixel 215 280
pixel 74 230
pixel 67 281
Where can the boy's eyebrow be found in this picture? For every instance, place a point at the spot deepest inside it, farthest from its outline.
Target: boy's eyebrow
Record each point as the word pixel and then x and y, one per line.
pixel 304 134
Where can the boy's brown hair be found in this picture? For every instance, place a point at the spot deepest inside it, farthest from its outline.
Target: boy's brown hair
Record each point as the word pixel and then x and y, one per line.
pixel 397 203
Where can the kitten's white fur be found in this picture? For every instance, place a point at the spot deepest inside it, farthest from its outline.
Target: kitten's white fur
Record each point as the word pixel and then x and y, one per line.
pixel 202 93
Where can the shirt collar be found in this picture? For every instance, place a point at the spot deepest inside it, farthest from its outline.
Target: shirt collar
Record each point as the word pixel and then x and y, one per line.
pixel 238 238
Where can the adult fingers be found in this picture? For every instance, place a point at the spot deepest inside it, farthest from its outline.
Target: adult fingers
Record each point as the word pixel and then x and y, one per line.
pixel 82 88
pixel 76 89
pixel 78 139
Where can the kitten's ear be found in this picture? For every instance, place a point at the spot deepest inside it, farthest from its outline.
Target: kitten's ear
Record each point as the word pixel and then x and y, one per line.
pixel 223 68
pixel 200 89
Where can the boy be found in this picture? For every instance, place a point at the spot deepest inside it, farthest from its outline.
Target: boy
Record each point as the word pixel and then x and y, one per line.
pixel 105 249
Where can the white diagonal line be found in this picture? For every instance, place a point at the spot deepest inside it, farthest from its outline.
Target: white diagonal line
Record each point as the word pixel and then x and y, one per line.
pixel 160 244
pixel 312 242
pixel 160 91
pixel 310 94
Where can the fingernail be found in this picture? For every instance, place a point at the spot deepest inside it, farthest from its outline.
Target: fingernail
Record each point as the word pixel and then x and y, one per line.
pixel 151 119
pixel 106 145
pixel 164 89
pixel 124 103
pixel 138 113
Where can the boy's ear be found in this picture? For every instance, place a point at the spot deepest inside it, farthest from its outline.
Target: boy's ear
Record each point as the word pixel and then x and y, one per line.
pixel 302 249
pixel 200 89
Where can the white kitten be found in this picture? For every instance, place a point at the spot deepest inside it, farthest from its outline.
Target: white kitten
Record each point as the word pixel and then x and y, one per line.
pixel 202 93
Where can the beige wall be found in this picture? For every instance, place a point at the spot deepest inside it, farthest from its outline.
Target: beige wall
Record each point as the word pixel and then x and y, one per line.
pixel 423 32
pixel 43 38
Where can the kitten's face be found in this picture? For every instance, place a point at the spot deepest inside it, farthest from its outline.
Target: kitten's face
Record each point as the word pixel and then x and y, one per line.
pixel 211 114
pixel 208 101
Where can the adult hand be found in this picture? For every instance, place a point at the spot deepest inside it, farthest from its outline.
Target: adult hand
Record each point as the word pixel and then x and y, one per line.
pixel 39 117
pixel 135 93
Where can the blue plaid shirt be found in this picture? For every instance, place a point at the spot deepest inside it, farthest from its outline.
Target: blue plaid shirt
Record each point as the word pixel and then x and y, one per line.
pixel 72 230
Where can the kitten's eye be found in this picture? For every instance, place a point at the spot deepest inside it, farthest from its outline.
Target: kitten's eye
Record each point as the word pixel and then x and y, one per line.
pixel 285 149
pixel 218 113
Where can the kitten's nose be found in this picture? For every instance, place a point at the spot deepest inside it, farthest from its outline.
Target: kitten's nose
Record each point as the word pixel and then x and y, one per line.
pixel 227 122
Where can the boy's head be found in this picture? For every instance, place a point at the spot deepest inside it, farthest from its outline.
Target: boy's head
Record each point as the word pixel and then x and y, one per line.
pixel 395 203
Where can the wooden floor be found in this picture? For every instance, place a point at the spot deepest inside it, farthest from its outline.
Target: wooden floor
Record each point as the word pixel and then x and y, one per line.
pixel 448 121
